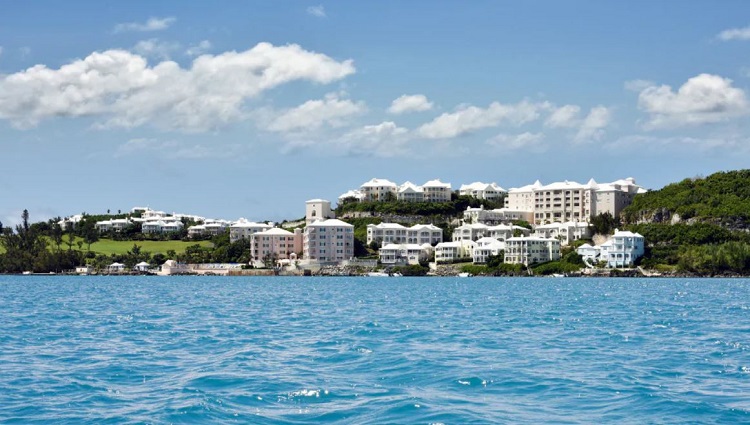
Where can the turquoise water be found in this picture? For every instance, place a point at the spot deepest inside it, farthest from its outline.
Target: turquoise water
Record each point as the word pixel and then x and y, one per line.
pixel 373 350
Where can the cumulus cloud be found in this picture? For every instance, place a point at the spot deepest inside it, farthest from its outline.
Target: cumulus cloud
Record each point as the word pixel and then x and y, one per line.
pixel 702 99
pixel 317 11
pixel 592 127
pixel 198 49
pixel 120 87
pixel 315 114
pixel 467 119
pixel 564 116
pixel 153 24
pixel 383 140
pixel 638 85
pixel 410 103
pixel 532 142
pixel 154 48
pixel 734 34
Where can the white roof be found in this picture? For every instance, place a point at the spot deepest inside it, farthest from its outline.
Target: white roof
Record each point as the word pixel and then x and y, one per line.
pixel 566 185
pixel 315 201
pixel 331 222
pixel 244 224
pixel 378 182
pixel 409 186
pixel 528 188
pixel 530 238
pixel 585 246
pixel 626 234
pixel 481 186
pixel 276 231
pixel 116 265
pixel 350 194
pixel 436 183
pixel 387 226
pixel 409 246
pixel 425 227
pixel 143 263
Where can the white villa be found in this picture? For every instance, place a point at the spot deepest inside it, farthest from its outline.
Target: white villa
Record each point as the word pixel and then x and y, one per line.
pixel 329 240
pixel 161 226
pixel 244 229
pixel 116 225
pixel 409 192
pixel 388 233
pixel 565 232
pixel 474 232
pixel 214 228
pixel 479 190
pixel 446 252
pixel 404 253
pixel 383 190
pixel 486 247
pixel 436 191
pixel 622 250
pixel 531 249
pixel 378 190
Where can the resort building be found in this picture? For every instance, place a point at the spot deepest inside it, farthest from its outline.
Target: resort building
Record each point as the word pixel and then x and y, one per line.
pixel 496 216
pixel 436 191
pixel 474 232
pixel 447 252
pixel 208 229
pixel 522 198
pixel 479 190
pixel 531 249
pixel 329 240
pixel 276 243
pixel 565 232
pixel 378 190
pixel 161 226
pixel 625 249
pixel 352 195
pixel 396 254
pixel 115 225
pixel 486 247
pixel 590 254
pixel 393 233
pixel 409 192
pixel 244 229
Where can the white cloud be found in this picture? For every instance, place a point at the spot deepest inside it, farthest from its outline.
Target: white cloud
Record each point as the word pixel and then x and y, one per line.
pixel 177 150
pixel 154 48
pixel 199 49
pixel 471 118
pixel 702 99
pixel 315 114
pixel 532 142
pixel 638 85
pixel 383 140
pixel 1 50
pixel 153 24
pixel 681 144
pixel 317 11
pixel 410 103
pixel 121 88
pixel 564 116
pixel 592 127
pixel 734 34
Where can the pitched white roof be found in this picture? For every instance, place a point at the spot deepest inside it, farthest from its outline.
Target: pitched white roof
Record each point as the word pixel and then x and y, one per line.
pixel 436 183
pixel 385 226
pixel 410 187
pixel 481 186
pixel 565 185
pixel 626 234
pixel 528 188
pixel 424 227
pixel 315 201
pixel 378 183
pixel 331 222
pixel 276 232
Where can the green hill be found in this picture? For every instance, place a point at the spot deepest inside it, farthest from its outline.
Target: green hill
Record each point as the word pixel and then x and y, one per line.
pixel 722 198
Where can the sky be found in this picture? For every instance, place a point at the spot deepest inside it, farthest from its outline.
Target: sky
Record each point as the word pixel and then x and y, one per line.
pixel 231 109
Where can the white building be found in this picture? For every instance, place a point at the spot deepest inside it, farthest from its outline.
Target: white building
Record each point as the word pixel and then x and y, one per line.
pixel 446 252
pixel 208 229
pixel 589 253
pixel 565 232
pixel 404 253
pixel 626 248
pixel 378 190
pixel 393 233
pixel 409 192
pixel 531 249
pixel 522 198
pixel 479 190
pixel 496 216
pixel 244 229
pixel 115 225
pixel 486 247
pixel 318 209
pixel 329 240
pixel 355 195
pixel 161 226
pixel 436 191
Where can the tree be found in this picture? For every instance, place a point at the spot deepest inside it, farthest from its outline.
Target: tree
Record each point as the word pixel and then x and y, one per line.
pixel 90 234
pixel 24 247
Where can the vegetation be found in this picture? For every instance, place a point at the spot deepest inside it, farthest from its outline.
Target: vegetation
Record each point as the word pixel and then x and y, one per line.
pixel 454 208
pixel 723 196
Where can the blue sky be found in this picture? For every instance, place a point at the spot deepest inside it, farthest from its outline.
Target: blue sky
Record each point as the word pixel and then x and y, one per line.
pixel 247 109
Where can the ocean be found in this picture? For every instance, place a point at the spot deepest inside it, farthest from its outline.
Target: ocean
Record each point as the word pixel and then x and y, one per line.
pixel 358 350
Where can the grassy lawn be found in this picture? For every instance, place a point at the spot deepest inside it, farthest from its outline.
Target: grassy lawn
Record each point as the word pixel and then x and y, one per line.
pixel 108 246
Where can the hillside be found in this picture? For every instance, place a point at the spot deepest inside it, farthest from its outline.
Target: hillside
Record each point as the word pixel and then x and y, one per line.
pixel 722 198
